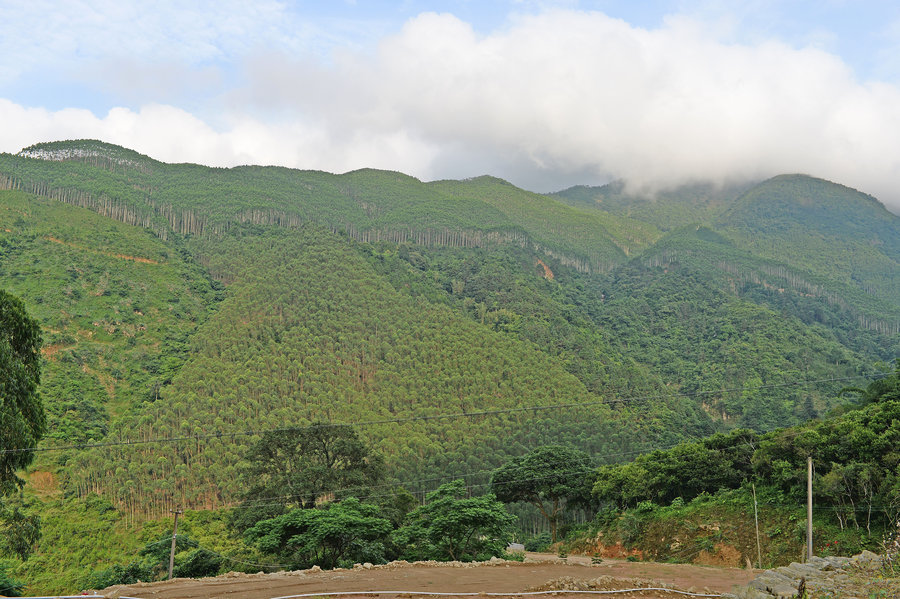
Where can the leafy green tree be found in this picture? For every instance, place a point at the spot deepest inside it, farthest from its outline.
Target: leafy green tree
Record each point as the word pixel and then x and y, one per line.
pixel 300 467
pixel 723 460
pixel 452 526
pixel 199 563
pixel 19 530
pixel 9 587
pixel 548 477
pixel 21 418
pixel 342 532
pixel 885 389
pixel 21 412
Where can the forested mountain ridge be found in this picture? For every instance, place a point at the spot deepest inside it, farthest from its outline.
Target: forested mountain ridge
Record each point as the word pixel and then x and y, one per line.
pixel 446 318
pixel 828 229
pixel 367 205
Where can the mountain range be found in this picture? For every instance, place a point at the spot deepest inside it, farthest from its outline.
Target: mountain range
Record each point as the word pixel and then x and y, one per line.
pixel 187 309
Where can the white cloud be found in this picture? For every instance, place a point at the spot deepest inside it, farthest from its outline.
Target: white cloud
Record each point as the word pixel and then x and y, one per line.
pixel 549 100
pixel 569 91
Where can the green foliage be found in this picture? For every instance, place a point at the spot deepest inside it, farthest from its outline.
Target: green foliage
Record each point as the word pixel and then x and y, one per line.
pixel 338 534
pixel 452 526
pixel 135 571
pixel 156 552
pixel 22 418
pixel 539 542
pixel 19 530
pixel 116 306
pixel 300 467
pixel 683 472
pixel 309 332
pixel 548 477
pixel 825 228
pixel 179 300
pixel 667 209
pixel 199 563
pixel 9 587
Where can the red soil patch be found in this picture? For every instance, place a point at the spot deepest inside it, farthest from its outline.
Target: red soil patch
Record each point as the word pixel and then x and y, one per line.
pixel 110 254
pixel 548 274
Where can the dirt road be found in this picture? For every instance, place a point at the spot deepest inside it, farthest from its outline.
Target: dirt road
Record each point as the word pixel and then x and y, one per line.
pixel 502 577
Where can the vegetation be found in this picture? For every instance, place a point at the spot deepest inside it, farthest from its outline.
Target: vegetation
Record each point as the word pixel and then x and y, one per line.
pixel 21 412
pixel 204 317
pixel 22 424
pixel 856 488
pixel 548 477
pixel 302 467
pixel 453 526
pixel 339 534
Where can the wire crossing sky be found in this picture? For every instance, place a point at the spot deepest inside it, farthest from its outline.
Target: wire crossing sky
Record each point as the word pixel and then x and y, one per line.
pixel 546 94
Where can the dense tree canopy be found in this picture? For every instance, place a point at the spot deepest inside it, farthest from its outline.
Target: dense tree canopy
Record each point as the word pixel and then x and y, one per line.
pixel 340 533
pixel 547 477
pixel 21 411
pixel 302 467
pixel 453 526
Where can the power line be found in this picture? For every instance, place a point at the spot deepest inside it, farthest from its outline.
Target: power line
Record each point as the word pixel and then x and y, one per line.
pixel 425 418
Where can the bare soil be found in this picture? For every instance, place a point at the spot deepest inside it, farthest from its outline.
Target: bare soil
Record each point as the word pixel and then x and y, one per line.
pixel 538 572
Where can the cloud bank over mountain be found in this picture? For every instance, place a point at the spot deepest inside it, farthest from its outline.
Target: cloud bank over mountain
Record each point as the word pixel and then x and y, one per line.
pixel 547 100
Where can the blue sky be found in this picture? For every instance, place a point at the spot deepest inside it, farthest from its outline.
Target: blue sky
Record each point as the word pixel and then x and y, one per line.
pixel 545 94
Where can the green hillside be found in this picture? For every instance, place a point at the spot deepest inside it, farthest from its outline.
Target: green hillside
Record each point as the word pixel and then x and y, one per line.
pixel 116 305
pixel 308 332
pixel 666 209
pixel 443 319
pixel 827 229
pixel 367 205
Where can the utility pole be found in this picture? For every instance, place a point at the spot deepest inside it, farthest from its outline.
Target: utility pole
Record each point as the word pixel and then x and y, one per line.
pixel 176 511
pixel 756 521
pixel 809 473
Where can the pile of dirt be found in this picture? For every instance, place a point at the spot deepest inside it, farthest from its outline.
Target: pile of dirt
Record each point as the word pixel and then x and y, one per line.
pixel 601 583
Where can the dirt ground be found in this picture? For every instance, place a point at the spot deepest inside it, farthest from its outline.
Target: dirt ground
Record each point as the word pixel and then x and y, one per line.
pixel 538 572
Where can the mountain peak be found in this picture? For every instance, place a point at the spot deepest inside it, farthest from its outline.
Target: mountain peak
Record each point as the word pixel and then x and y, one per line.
pixel 87 150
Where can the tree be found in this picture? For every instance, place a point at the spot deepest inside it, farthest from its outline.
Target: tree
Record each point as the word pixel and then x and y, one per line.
pixel 22 419
pixel 548 478
pixel 452 526
pixel 300 467
pixel 341 532
pixel 884 389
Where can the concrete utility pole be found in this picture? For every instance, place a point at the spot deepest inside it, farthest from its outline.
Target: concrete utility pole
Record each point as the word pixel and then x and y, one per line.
pixel 756 521
pixel 809 473
pixel 174 534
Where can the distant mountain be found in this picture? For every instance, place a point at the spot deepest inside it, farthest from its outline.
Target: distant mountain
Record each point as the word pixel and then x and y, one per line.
pixel 184 300
pixel 666 209
pixel 827 229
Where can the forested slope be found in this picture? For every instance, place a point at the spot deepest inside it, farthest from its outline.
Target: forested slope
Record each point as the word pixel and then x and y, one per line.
pixel 367 205
pixel 209 305
pixel 116 306
pixel 309 332
pixel 827 229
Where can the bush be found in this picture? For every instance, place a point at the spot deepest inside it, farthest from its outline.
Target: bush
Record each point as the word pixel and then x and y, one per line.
pixel 540 542
pixel 199 563
pixel 9 587
pixel 119 574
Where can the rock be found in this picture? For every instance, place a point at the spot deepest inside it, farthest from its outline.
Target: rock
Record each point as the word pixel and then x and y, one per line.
pixel 823 576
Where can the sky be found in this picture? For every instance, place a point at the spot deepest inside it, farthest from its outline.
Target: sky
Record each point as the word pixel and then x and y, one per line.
pixel 545 94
